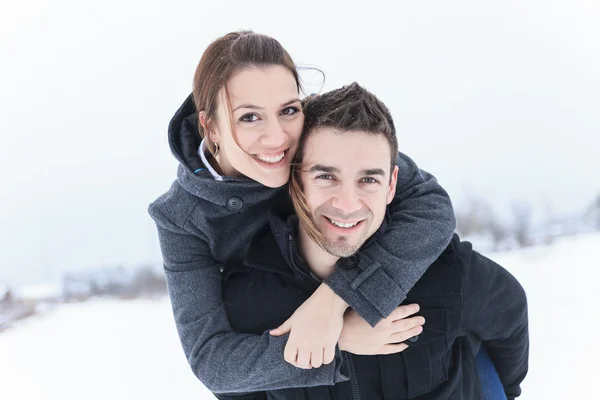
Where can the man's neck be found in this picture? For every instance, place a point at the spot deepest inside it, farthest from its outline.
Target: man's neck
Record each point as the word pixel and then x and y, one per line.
pixel 320 262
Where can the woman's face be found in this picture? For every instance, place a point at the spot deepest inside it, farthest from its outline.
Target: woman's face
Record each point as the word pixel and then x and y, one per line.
pixel 267 123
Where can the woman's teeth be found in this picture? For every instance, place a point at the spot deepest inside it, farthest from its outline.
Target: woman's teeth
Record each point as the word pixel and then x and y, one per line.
pixel 342 224
pixel 271 159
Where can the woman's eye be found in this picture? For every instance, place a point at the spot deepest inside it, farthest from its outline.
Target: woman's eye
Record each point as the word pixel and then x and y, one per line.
pixel 249 118
pixel 290 110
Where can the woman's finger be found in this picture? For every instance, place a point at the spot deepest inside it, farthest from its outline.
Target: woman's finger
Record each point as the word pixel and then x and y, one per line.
pixel 393 348
pixel 328 354
pixel 303 360
pixel 290 353
pixel 316 358
pixel 402 336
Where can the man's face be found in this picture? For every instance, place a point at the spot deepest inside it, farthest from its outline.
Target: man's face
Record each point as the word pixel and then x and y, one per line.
pixel 347 186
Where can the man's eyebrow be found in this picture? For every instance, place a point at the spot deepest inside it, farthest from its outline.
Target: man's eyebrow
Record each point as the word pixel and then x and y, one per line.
pixel 323 168
pixel 327 169
pixel 373 171
pixel 255 107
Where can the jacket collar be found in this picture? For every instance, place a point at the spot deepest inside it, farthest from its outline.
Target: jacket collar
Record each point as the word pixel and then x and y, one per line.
pixel 275 247
pixel 193 175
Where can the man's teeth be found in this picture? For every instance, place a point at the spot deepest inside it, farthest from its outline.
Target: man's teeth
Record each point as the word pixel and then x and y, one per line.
pixel 341 224
pixel 271 159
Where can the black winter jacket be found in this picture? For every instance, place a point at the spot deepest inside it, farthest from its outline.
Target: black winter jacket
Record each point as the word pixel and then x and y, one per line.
pixel 467 301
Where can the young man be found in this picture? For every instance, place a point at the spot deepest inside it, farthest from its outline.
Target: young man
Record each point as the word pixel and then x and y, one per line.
pixel 343 180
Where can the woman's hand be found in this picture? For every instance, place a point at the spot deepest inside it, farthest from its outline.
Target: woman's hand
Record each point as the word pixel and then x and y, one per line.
pixel 358 337
pixel 314 329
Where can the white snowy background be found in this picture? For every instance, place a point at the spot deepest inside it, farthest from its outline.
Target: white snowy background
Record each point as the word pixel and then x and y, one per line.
pixel 129 350
pixel 496 99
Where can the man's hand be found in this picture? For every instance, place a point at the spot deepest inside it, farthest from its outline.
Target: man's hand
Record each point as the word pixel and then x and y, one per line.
pixel 314 329
pixel 358 337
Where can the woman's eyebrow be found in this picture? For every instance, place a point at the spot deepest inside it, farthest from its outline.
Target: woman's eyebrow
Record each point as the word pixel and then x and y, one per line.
pixel 296 100
pixel 255 107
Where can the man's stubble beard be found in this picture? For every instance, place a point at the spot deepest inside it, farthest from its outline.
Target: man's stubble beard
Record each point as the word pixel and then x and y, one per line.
pixel 341 248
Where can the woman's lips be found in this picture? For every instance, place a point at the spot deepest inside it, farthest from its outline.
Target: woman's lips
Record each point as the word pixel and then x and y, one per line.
pixel 273 159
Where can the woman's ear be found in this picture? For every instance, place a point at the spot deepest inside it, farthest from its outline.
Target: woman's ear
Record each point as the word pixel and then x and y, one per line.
pixel 202 119
pixel 209 133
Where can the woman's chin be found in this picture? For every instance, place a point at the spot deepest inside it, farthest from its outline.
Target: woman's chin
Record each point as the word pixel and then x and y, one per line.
pixel 274 180
pixel 274 183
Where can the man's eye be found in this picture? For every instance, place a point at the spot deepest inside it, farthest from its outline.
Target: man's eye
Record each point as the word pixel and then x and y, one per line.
pixel 249 118
pixel 326 177
pixel 369 180
pixel 290 110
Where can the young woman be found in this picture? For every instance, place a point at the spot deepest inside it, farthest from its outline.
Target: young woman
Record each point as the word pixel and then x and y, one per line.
pixel 234 138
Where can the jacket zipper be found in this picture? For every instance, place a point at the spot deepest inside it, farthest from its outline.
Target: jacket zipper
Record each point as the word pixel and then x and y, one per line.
pixel 353 378
pixel 352 371
pixel 291 257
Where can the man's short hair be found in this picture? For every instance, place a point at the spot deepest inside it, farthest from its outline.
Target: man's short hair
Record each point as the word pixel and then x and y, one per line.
pixel 351 108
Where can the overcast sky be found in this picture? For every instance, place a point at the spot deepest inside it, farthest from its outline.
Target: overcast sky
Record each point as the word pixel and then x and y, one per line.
pixel 498 100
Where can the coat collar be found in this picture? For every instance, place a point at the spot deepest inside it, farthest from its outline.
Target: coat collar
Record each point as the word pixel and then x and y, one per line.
pixel 275 247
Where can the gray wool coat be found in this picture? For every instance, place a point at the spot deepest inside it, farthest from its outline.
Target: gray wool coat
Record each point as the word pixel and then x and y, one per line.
pixel 204 224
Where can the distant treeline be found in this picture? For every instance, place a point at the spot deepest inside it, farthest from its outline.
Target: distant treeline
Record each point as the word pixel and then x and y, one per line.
pixel 478 220
pixel 125 283
pixel 117 281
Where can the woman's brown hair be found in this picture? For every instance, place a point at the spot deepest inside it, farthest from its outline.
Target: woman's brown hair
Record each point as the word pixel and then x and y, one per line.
pixel 225 57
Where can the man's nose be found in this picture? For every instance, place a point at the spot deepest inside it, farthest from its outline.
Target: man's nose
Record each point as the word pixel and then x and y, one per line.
pixel 347 199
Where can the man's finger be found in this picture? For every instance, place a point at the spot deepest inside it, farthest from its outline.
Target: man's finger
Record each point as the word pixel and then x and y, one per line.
pixel 402 336
pixel 402 312
pixel 393 348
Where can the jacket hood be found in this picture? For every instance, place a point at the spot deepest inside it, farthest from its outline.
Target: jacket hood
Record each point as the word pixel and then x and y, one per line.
pixel 192 174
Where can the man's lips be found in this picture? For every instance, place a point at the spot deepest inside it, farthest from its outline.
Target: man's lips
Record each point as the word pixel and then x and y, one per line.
pixel 345 226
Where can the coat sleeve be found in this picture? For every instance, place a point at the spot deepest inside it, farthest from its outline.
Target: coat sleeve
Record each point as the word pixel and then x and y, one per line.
pixel 422 224
pixel 495 310
pixel 247 396
pixel 223 360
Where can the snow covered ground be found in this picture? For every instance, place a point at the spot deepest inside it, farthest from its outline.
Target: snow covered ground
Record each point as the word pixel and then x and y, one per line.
pixel 129 349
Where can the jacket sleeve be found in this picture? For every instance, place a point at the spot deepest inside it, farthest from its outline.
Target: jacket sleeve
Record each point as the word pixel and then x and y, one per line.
pixel 422 224
pixel 495 310
pixel 225 361
pixel 247 396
